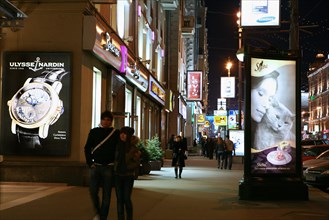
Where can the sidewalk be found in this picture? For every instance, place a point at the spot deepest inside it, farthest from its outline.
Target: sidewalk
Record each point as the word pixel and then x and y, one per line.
pixel 203 193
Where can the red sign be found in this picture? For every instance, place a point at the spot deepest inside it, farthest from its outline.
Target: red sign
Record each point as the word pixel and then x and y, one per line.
pixel 194 85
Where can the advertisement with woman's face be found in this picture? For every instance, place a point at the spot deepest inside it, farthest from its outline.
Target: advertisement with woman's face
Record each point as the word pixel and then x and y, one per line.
pixel 273 111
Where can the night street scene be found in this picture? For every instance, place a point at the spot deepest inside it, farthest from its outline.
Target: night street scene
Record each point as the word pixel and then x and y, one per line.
pixel 164 109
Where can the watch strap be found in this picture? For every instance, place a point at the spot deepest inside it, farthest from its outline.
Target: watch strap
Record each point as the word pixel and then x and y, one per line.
pixel 28 138
pixel 50 76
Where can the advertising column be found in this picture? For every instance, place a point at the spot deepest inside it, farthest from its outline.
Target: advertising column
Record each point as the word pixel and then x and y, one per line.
pixel 272 142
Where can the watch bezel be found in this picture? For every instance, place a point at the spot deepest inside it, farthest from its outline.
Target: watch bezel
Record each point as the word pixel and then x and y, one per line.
pixel 54 104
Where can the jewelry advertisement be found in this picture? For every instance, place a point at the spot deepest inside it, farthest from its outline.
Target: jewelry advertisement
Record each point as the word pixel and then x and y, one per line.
pixel 35 116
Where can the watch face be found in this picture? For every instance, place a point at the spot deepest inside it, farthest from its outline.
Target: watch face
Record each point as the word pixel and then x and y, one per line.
pixel 33 103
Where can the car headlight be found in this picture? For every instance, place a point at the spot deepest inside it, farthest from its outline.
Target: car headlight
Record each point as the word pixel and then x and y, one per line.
pixel 325 172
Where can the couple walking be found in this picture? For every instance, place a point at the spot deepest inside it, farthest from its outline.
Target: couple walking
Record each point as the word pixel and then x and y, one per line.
pixel 112 157
pixel 224 149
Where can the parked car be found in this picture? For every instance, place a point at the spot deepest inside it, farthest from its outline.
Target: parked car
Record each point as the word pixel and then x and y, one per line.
pixel 314 151
pixel 310 143
pixel 316 171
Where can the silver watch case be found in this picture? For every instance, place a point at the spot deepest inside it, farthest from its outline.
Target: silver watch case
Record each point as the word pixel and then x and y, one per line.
pixel 36 105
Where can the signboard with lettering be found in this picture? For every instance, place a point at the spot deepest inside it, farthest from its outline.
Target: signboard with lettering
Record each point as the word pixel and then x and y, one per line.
pixel 201 118
pixel 36 103
pixel 220 120
pixel 271 110
pixel 272 149
pixel 260 13
pixel 194 85
pixel 156 91
pixel 227 85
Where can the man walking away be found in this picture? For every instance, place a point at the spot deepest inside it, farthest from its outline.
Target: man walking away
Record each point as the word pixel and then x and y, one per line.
pixel 229 150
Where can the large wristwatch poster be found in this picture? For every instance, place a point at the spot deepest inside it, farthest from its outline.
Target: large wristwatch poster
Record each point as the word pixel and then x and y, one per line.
pixel 35 103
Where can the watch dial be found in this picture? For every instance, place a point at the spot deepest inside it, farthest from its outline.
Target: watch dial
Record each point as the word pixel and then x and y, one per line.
pixel 32 105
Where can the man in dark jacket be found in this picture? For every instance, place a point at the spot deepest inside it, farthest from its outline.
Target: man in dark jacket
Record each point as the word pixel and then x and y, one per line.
pixel 100 152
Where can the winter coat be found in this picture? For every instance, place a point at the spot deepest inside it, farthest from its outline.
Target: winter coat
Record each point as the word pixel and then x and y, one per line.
pixel 127 158
pixel 178 154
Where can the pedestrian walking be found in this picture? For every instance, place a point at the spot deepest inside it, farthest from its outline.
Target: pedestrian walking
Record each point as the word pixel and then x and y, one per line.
pixel 178 160
pixel 220 150
pixel 210 147
pixel 229 152
pixel 99 152
pixel 127 159
pixel 203 146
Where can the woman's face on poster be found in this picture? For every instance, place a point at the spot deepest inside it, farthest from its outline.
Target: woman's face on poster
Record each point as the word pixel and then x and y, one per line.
pixel 261 98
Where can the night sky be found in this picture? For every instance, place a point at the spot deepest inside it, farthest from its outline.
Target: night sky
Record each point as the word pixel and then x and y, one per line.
pixel 223 39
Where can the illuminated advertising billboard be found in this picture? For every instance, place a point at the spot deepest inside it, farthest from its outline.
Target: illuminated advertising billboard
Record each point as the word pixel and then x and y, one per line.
pixel 227 85
pixel 221 104
pixel 156 91
pixel 201 118
pixel 260 13
pixel 194 85
pixel 220 120
pixel 36 103
pixel 237 137
pixel 272 115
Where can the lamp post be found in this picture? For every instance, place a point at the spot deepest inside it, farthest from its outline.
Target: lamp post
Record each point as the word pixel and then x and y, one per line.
pixel 228 66
pixel 240 56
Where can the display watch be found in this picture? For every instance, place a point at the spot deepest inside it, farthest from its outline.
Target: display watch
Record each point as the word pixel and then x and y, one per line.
pixel 36 106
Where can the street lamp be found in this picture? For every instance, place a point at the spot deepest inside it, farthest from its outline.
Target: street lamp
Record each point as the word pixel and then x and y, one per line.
pixel 240 53
pixel 228 67
pixel 240 56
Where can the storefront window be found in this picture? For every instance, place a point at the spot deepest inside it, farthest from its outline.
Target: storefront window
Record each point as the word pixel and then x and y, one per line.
pixel 97 93
pixel 138 115
pixel 128 102
pixel 123 8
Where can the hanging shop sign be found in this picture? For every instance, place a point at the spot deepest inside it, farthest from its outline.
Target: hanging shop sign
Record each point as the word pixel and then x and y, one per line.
pixel 201 118
pixel 194 85
pixel 182 108
pixel 138 78
pixel 227 86
pixel 220 120
pixel 170 101
pixel 156 91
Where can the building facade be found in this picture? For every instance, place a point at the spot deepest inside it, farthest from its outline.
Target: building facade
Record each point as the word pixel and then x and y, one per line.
pixel 318 104
pixel 116 59
pixel 129 57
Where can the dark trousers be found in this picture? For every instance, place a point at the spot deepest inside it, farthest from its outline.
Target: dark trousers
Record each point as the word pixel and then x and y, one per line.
pixel 220 159
pixel 101 177
pixel 229 159
pixel 123 188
